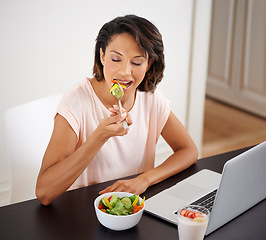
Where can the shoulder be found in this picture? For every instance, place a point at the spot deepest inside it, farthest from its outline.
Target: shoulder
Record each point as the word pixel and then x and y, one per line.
pixel 72 103
pixel 155 98
pixel 155 104
pixel 78 93
pixel 160 96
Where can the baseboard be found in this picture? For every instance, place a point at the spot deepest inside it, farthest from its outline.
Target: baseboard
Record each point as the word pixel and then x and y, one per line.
pixel 5 193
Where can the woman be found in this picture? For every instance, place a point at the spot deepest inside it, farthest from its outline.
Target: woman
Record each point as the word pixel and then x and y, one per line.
pixel 89 143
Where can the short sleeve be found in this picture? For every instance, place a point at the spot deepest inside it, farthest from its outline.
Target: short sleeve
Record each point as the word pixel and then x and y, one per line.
pixel 163 107
pixel 68 108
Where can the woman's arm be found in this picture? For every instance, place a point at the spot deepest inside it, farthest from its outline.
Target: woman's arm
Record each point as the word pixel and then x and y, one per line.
pixel 185 154
pixel 63 161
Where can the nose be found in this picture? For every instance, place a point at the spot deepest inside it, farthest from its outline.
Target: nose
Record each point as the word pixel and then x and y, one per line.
pixel 126 68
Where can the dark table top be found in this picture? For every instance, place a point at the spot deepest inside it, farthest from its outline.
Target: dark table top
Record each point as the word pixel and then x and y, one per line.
pixel 72 215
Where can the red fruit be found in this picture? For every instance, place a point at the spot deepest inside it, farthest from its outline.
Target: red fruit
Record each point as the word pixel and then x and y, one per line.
pixel 183 212
pixel 190 214
pixel 101 207
pixel 137 208
pixel 198 214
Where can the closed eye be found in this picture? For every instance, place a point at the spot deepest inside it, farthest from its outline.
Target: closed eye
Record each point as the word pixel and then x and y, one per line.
pixel 116 60
pixel 136 64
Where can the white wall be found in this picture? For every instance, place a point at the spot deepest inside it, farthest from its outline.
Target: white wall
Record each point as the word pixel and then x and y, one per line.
pixel 46 46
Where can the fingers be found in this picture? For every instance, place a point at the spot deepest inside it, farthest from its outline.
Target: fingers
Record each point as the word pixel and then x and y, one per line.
pixel 116 187
pixel 115 110
pixel 113 126
pixel 116 118
pixel 122 186
pixel 106 190
pixel 124 114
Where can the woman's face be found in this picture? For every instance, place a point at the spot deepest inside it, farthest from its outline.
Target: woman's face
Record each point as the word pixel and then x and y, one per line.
pixel 124 62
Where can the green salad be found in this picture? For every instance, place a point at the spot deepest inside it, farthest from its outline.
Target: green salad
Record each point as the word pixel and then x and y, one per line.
pixel 121 206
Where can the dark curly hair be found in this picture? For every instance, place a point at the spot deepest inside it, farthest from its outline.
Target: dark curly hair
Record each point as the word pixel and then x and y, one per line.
pixel 149 40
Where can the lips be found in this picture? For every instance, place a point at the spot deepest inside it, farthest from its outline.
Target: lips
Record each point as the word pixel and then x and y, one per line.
pixel 126 83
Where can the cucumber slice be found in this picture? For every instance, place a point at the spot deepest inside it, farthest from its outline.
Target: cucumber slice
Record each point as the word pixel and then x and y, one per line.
pixel 104 203
pixel 126 201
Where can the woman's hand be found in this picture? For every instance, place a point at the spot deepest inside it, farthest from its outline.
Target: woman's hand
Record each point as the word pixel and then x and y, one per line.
pixel 113 125
pixel 136 185
pixel 116 111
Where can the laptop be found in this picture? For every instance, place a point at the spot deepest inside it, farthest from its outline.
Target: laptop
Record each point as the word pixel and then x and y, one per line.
pixel 240 186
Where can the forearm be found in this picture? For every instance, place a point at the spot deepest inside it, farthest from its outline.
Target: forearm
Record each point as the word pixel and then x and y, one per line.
pixel 177 162
pixel 55 180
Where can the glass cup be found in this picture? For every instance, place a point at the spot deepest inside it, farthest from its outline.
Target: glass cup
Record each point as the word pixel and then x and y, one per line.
pixel 192 221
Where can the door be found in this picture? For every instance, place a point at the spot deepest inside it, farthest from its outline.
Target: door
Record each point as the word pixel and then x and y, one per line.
pixel 237 60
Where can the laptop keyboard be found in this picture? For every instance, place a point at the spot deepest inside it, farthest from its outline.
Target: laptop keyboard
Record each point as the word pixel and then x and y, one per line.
pixel 206 201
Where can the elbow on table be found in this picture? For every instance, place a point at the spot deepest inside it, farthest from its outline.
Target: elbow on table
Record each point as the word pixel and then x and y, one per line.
pixel 42 197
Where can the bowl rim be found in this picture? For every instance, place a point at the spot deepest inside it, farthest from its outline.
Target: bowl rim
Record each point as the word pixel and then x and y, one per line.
pixel 115 216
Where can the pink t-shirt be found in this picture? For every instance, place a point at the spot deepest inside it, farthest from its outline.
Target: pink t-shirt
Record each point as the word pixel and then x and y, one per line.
pixel 120 156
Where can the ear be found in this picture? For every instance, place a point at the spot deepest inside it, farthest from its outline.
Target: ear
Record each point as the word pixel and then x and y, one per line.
pixel 102 56
pixel 149 65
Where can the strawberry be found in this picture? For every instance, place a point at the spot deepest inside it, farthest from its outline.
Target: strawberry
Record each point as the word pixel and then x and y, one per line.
pixel 190 214
pixel 183 212
pixel 198 214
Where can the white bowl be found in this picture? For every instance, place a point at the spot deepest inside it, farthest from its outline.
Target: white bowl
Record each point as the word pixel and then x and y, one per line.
pixel 114 222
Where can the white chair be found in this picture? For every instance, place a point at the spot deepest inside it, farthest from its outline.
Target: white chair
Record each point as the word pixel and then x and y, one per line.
pixel 28 130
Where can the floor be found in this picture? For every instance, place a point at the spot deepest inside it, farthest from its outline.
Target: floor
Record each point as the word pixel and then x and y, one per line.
pixel 227 128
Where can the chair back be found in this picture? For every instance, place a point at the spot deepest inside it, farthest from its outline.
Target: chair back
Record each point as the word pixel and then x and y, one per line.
pixel 28 131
